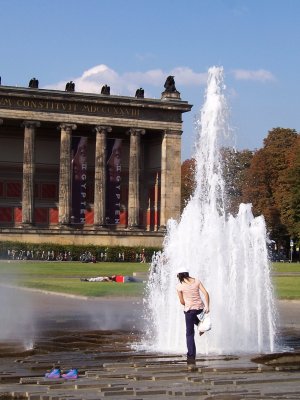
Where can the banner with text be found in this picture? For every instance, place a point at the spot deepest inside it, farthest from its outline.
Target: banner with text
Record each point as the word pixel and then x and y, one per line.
pixel 79 179
pixel 113 181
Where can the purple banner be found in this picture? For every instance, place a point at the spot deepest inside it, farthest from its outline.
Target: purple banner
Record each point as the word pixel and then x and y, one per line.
pixel 113 181
pixel 79 179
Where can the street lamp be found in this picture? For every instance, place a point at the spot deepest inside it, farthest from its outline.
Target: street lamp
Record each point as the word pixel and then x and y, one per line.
pixel 291 249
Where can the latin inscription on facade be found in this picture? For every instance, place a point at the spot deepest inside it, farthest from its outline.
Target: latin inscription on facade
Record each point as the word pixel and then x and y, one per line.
pixel 89 108
pixel 73 108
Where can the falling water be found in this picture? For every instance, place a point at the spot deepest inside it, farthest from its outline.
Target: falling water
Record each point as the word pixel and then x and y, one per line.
pixel 228 254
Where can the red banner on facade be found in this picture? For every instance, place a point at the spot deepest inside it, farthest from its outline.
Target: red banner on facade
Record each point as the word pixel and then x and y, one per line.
pixel 79 179
pixel 113 181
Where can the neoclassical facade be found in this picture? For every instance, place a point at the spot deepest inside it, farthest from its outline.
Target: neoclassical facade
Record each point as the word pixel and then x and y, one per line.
pixel 88 168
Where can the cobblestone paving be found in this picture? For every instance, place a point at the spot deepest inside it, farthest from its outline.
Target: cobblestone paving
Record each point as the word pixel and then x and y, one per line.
pixel 109 368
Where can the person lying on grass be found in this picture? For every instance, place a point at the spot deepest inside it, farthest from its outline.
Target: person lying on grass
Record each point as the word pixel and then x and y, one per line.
pixel 111 278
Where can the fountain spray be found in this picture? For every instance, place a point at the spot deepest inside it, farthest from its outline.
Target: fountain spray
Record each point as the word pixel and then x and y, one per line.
pixel 227 253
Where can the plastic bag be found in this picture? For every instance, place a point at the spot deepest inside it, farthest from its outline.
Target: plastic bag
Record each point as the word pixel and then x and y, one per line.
pixel 204 322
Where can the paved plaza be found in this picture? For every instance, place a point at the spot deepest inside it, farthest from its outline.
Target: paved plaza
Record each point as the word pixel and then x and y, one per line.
pixel 96 336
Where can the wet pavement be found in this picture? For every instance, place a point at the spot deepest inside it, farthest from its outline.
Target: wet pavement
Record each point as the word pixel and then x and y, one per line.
pixel 96 336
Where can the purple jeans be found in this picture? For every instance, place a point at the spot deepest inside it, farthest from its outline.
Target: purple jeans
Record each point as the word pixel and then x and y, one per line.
pixel 191 319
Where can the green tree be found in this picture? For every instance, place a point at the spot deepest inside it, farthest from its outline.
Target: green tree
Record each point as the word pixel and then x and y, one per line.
pixel 268 185
pixel 235 166
pixel 289 195
pixel 188 182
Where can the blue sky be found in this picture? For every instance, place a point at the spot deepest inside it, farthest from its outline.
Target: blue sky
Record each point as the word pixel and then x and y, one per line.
pixel 137 43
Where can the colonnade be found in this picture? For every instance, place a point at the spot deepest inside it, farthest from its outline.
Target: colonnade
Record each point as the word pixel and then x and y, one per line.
pixel 170 182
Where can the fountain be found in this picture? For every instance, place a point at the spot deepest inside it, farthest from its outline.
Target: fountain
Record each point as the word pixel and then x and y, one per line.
pixel 227 253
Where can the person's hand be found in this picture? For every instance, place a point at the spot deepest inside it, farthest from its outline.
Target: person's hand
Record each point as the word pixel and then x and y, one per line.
pixel 206 310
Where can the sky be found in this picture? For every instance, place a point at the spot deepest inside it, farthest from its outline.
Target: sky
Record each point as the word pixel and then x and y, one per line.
pixel 129 44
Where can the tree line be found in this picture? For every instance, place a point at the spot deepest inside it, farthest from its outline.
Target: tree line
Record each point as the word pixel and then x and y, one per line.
pixel 269 178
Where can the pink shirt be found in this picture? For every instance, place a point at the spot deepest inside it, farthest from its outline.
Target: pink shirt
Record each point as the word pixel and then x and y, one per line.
pixel 191 295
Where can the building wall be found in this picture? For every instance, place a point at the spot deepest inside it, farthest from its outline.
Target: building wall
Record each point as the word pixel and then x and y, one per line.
pixel 86 238
pixel 46 178
pixel 158 123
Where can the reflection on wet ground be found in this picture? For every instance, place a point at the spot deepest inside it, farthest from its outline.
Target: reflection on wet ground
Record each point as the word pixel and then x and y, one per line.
pixel 96 337
pixel 66 341
pixel 109 367
pixel 289 339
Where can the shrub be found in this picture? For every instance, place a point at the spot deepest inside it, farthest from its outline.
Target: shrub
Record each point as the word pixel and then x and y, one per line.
pixel 18 250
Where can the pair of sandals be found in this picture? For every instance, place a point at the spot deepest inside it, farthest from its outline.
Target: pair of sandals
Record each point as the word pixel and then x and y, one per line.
pixel 55 373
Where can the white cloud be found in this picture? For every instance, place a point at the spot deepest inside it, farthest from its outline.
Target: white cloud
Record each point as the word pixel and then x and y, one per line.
pixel 260 75
pixel 126 84
pixel 232 93
pixel 185 76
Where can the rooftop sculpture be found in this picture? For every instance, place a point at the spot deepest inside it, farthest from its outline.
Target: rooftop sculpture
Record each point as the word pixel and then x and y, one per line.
pixel 70 87
pixel 33 83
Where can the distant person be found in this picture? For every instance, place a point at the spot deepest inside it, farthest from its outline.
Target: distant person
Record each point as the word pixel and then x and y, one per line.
pixel 143 256
pixel 100 279
pixel 188 290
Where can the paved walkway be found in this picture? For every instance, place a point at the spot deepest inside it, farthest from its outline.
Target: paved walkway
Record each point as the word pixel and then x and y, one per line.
pixel 94 336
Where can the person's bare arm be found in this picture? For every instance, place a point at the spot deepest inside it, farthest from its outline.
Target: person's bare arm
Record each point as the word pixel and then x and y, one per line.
pixel 206 297
pixel 180 295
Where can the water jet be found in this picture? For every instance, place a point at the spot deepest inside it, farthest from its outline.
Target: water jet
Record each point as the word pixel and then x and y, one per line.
pixel 227 253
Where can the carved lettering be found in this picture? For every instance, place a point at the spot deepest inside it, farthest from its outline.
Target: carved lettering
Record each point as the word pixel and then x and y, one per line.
pixel 86 108
pixel 5 102
pixel 58 106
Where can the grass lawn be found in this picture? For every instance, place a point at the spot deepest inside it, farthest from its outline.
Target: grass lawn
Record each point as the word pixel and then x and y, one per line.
pixel 65 277
pixel 286 267
pixel 287 287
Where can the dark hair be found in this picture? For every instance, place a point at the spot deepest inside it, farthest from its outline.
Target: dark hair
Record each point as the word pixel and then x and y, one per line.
pixel 182 276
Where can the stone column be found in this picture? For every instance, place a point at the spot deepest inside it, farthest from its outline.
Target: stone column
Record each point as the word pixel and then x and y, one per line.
pixel 100 175
pixel 65 173
pixel 170 177
pixel 28 172
pixel 156 203
pixel 134 173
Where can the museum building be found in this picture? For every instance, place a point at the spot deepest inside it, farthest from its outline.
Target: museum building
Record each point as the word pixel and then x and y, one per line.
pixel 87 168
